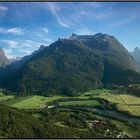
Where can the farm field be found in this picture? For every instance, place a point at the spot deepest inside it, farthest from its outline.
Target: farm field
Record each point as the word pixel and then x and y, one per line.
pixel 97 92
pixel 4 97
pixel 133 103
pixel 90 105
pixel 123 102
pixel 135 110
pixel 30 102
pixel 114 98
pixel 130 100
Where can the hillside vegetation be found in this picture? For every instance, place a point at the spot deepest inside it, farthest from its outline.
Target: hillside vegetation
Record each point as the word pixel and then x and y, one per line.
pixel 18 124
pixel 75 65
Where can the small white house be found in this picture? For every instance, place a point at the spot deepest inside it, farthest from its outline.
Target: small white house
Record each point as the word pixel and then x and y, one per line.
pixel 51 106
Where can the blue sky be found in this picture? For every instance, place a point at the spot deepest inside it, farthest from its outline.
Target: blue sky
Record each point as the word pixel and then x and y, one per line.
pixel 24 26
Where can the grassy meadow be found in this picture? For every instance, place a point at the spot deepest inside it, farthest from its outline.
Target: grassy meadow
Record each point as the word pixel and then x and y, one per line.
pixel 94 103
pixel 30 102
pixel 124 102
pixel 4 97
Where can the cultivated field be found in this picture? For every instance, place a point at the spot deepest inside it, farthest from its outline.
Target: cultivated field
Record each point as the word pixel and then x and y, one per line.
pixel 91 103
pixel 4 97
pixel 97 92
pixel 30 102
pixel 124 102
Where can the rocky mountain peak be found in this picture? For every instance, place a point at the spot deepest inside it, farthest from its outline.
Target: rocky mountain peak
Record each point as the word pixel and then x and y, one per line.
pixel 136 55
pixel 136 49
pixel 73 36
pixel 1 51
pixel 3 59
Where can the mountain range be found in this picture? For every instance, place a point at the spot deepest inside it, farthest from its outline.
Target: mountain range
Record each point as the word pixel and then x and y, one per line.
pixel 73 65
pixel 18 63
pixel 3 59
pixel 136 55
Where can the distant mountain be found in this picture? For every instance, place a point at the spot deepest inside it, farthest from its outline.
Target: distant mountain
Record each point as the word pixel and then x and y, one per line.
pixel 19 62
pixel 70 66
pixel 4 62
pixel 136 55
pixel 15 64
pixel 3 59
pixel 11 60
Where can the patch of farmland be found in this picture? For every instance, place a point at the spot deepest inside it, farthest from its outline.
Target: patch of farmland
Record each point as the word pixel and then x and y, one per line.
pixel 31 102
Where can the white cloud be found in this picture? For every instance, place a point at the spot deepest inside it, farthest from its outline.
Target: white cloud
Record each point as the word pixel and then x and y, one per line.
pixel 19 48
pixel 48 40
pixel 72 15
pixel 103 16
pixel 26 47
pixel 43 38
pixel 124 21
pixel 121 22
pixel 25 51
pixel 3 10
pixel 62 22
pixel 9 53
pixel 45 29
pixel 15 31
pixel 10 43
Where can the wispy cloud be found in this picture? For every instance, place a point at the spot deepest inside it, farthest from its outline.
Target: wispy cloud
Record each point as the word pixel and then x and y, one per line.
pixel 103 16
pixel 46 21
pixel 14 31
pixel 26 47
pixel 55 9
pixel 47 41
pixel 10 43
pixel 3 10
pixel 93 11
pixel 45 29
pixel 122 22
pixel 9 53
pixel 21 47
pixel 70 14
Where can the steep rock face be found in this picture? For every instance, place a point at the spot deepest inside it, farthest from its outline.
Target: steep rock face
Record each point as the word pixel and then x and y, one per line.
pixel 136 55
pixel 3 59
pixel 78 64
